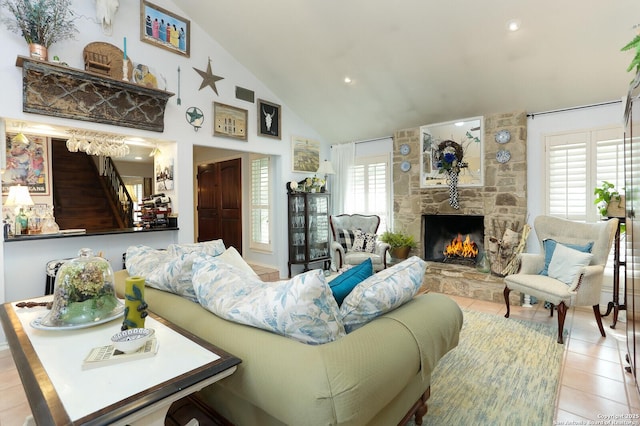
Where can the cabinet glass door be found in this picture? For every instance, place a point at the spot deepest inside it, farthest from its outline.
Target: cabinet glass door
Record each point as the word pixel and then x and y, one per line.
pixel 319 227
pixel 298 229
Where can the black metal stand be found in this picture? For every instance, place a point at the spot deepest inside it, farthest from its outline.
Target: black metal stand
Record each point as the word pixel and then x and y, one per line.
pixel 614 305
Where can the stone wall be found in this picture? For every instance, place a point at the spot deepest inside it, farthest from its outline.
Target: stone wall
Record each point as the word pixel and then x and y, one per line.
pixel 502 200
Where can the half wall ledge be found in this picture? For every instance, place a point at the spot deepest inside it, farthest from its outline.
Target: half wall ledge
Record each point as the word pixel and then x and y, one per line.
pixel 460 280
pixel 60 91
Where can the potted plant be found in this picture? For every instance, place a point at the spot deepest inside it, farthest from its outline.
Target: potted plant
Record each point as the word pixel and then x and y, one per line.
pixel 40 22
pixel 609 201
pixel 400 242
pixel 634 45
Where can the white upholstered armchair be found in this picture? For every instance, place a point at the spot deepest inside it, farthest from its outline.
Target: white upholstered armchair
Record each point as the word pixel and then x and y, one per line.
pixel 342 247
pixel 573 258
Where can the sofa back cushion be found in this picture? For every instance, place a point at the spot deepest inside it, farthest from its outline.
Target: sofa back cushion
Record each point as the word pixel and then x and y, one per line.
pixel 171 270
pixel 302 308
pixel 382 292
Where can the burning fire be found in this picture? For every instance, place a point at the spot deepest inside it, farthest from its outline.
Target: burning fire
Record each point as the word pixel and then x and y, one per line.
pixel 460 248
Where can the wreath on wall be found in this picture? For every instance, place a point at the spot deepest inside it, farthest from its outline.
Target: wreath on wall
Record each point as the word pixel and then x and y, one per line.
pixel 448 159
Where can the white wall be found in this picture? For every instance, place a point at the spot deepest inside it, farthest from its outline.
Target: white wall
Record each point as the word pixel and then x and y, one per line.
pixel 177 130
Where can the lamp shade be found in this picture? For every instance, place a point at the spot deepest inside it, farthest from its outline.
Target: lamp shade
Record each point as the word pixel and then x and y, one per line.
pixel 19 196
pixel 325 168
pixel 21 138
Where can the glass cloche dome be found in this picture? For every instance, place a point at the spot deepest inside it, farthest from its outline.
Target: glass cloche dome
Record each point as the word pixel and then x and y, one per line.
pixel 84 293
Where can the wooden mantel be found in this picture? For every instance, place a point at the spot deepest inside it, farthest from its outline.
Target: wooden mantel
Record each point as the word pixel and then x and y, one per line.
pixel 60 91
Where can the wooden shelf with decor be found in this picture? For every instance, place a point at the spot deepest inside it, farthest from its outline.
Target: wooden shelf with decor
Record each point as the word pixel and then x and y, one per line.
pixel 61 91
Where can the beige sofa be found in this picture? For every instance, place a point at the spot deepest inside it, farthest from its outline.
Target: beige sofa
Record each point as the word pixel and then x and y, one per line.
pixel 378 374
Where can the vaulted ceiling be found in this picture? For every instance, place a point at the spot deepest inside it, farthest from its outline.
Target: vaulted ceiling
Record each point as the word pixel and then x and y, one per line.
pixel 415 62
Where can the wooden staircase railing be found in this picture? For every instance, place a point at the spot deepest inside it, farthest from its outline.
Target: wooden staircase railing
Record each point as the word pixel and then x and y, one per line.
pixel 115 187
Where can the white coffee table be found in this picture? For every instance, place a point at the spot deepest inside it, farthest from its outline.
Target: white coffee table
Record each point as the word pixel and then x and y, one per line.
pixel 134 392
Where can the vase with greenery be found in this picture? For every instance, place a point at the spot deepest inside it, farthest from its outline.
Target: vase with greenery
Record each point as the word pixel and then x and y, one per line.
pixel 608 200
pixel 400 243
pixel 40 22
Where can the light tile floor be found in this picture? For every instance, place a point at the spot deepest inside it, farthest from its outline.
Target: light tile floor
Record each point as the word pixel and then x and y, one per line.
pixel 593 380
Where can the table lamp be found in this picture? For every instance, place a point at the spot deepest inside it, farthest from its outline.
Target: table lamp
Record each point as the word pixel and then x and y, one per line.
pixel 19 197
pixel 325 169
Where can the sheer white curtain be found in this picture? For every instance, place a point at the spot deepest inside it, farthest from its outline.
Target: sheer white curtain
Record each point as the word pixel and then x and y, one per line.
pixel 342 159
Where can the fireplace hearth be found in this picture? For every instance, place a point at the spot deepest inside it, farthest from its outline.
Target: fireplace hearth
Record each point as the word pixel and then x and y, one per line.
pixel 452 238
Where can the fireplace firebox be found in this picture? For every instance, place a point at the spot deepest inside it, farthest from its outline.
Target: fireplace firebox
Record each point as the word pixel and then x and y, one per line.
pixel 452 238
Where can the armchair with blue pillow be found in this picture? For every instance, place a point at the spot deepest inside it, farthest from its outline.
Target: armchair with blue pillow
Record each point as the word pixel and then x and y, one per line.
pixel 570 269
pixel 355 240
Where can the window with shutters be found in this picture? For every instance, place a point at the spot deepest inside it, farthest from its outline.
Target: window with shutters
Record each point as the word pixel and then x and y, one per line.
pixel 260 203
pixel 370 189
pixel 577 163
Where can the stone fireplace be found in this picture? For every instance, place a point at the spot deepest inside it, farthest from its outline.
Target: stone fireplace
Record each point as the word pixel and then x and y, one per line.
pixel 501 203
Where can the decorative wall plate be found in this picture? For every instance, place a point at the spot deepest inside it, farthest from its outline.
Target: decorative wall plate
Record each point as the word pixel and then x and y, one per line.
pixel 405 166
pixel 503 136
pixel 405 149
pixel 503 155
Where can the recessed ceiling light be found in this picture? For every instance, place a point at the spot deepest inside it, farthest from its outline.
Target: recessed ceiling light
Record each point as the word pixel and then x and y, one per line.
pixel 138 158
pixel 347 80
pixel 513 25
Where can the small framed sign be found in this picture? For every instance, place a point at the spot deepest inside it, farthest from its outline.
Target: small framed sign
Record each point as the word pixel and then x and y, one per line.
pixel 229 121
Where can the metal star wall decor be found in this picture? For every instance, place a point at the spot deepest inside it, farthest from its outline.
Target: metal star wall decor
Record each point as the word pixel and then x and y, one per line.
pixel 195 117
pixel 208 79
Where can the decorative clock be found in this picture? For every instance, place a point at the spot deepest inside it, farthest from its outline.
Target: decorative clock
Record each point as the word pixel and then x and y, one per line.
pixel 503 136
pixel 405 149
pixel 503 155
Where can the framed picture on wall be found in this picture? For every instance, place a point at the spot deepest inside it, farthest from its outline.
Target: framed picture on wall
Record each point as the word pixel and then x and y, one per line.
pixel 269 119
pixel 229 121
pixel 27 163
pixel 305 154
pixel 164 29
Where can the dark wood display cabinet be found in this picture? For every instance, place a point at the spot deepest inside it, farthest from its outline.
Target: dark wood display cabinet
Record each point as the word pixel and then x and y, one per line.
pixel 309 229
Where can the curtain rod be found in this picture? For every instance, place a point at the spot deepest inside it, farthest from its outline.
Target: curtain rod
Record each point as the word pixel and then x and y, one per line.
pixel 532 115
pixel 366 140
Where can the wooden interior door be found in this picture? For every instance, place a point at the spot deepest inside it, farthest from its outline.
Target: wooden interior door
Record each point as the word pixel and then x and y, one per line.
pixel 220 202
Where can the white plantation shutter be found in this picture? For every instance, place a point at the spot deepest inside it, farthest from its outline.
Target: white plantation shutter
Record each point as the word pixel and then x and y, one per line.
pixel 260 203
pixel 567 178
pixel 577 163
pixel 370 188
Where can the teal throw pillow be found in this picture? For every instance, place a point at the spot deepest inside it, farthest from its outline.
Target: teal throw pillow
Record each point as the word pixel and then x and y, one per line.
pixel 549 246
pixel 342 285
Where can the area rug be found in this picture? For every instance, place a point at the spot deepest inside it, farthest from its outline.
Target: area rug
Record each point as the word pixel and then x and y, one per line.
pixel 503 372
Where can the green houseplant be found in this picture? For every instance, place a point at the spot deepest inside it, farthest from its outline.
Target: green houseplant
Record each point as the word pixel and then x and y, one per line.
pixel 401 243
pixel 40 22
pixel 634 45
pixel 608 200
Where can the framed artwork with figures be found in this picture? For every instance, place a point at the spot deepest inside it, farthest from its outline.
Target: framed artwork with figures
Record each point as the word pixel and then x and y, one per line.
pixel 269 119
pixel 164 29
pixel 27 163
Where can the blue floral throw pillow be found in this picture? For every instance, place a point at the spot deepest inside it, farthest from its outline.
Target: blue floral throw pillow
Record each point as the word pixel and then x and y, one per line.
pixel 302 308
pixel 382 292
